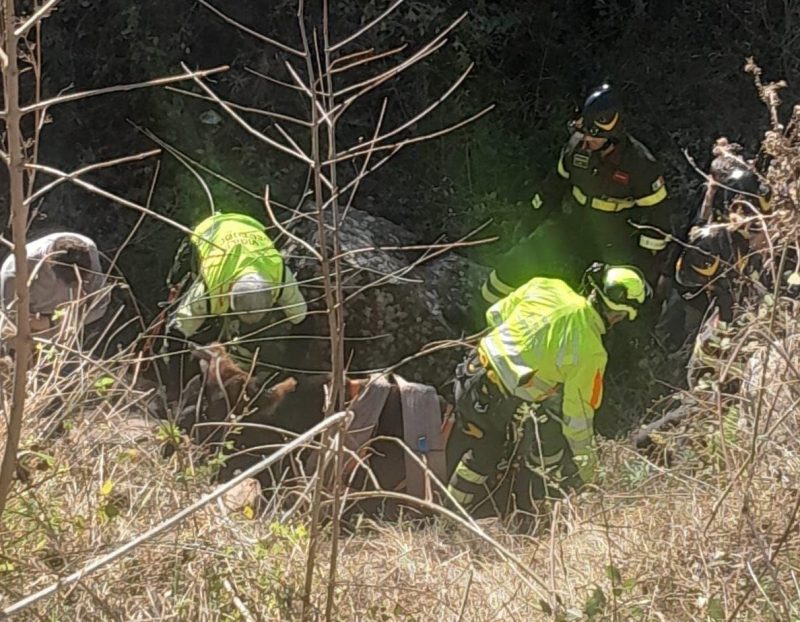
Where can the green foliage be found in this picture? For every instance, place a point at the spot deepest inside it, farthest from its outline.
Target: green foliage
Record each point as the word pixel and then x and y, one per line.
pixel 169 433
pixel 595 604
pixel 103 384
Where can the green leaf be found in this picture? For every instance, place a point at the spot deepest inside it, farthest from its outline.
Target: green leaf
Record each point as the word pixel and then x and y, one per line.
pixel 109 511
pixel 715 611
pixel 629 584
pixel 7 567
pixel 545 607
pixel 106 488
pixel 595 604
pixel 613 574
pixel 103 384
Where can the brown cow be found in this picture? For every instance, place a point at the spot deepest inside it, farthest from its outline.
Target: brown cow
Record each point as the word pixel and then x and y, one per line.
pixel 224 393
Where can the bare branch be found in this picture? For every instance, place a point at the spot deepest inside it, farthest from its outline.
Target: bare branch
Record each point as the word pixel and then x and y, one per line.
pixel 135 227
pixel 33 19
pixel 273 80
pixel 249 128
pixel 18 213
pixel 361 60
pixel 250 31
pixel 371 83
pixel 423 137
pixel 288 234
pixel 366 27
pixel 258 111
pixel 419 116
pixel 63 99
pixel 182 156
pixel 419 247
pixel 111 196
pixel 433 251
pixel 363 172
pixel 91 167
pixel 434 44
pixel 326 114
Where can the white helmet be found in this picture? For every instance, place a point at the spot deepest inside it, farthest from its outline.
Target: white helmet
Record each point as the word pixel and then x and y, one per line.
pixel 251 297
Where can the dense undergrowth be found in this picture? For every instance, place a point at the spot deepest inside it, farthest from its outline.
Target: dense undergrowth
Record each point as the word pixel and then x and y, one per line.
pixel 702 527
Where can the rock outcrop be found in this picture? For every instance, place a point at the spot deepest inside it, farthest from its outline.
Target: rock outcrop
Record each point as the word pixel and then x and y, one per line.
pixel 398 301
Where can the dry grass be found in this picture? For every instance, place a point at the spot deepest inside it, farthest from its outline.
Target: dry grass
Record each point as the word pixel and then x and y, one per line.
pixel 688 542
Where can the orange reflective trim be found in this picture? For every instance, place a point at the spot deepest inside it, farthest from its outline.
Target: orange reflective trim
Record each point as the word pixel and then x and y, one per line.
pixel 597 390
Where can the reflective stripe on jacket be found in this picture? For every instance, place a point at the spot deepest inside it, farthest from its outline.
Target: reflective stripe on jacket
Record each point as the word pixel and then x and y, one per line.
pixel 626 181
pixel 546 336
pixel 229 246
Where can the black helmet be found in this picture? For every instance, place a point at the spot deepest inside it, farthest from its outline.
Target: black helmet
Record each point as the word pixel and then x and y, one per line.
pixel 600 115
pixel 737 180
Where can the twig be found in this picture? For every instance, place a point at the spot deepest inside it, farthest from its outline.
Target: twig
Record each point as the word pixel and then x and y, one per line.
pixel 250 31
pixel 464 600
pixel 419 116
pixel 63 99
pixel 135 228
pixel 410 141
pixel 249 128
pixel 364 58
pixel 365 28
pixel 264 76
pixel 111 196
pixel 86 169
pixel 35 18
pixel 285 231
pixel 235 106
pixel 237 602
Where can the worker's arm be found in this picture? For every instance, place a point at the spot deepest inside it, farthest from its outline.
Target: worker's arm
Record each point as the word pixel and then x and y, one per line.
pixel 291 301
pixel 551 190
pixel 192 311
pixel 501 310
pixel 583 393
pixel 650 193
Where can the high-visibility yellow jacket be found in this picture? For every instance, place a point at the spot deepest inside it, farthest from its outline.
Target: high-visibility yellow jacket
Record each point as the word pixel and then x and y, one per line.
pixel 229 246
pixel 547 336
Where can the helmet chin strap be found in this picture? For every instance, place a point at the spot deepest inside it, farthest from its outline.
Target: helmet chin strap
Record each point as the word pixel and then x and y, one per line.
pixel 617 306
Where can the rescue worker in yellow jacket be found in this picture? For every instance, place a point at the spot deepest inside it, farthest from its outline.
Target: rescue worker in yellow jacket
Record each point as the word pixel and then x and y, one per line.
pixel 544 341
pixel 240 275
pixel 604 183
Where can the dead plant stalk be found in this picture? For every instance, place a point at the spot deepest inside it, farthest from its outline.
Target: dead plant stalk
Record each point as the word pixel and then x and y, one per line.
pixel 19 221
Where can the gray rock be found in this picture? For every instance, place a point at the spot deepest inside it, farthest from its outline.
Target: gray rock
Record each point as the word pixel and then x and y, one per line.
pixel 399 301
